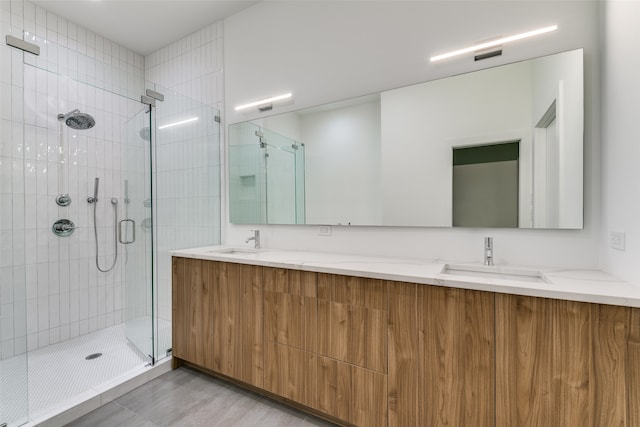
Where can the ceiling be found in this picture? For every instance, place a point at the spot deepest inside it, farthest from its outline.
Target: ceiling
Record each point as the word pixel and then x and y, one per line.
pixel 144 25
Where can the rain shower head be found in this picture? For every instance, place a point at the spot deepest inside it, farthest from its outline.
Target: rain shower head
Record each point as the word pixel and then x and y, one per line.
pixel 77 120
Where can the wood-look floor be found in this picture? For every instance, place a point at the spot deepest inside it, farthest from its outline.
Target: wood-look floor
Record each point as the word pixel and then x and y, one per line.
pixel 186 397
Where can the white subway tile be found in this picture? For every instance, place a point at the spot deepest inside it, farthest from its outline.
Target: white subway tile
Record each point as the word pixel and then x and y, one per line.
pixel 54 311
pixel 54 335
pixel 43 315
pixel 54 278
pixel 31 278
pixel 64 309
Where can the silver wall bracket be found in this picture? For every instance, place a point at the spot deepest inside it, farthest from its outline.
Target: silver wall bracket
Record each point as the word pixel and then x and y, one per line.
pixel 22 45
pixel 148 100
pixel 155 95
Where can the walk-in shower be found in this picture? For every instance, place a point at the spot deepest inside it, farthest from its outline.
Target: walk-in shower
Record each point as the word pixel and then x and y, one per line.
pixel 94 205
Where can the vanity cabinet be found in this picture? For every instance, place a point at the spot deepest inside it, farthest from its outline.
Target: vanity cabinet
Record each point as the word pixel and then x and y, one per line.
pixel 441 356
pixel 237 320
pixel 352 348
pixel 566 363
pixel 192 306
pixel 371 352
pixel 326 343
pixel 217 317
pixel 290 329
pixel 462 357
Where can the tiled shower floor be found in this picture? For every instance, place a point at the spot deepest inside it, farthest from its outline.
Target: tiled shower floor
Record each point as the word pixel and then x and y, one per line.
pixel 60 373
pixel 13 391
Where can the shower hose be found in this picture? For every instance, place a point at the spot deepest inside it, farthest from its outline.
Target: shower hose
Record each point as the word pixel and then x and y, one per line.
pixel 114 202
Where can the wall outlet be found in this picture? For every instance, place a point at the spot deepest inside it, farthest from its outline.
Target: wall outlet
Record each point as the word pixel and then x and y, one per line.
pixel 617 240
pixel 324 230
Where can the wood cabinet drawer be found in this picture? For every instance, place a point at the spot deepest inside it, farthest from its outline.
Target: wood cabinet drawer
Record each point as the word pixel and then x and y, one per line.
pixel 351 393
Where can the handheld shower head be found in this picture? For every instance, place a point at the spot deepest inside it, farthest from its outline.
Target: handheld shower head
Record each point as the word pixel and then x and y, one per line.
pixel 77 120
pixel 94 199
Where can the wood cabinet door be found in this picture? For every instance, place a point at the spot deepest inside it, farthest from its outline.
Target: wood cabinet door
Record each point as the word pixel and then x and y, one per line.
pixel 290 308
pixel 403 355
pixel 441 356
pixel 352 320
pixel 192 313
pixel 565 363
pixel 237 331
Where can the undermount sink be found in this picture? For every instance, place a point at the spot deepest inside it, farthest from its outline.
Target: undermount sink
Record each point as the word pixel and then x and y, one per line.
pixel 494 272
pixel 235 251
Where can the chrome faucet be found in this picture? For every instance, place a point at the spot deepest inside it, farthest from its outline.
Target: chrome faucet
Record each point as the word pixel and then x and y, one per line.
pixel 488 251
pixel 255 238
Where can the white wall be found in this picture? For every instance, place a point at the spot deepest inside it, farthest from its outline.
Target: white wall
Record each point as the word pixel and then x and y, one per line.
pixel 342 165
pixel 422 124
pixel 567 91
pixel 621 136
pixel 326 51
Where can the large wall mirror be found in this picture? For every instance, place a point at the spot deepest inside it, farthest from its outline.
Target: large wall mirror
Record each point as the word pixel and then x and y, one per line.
pixel 500 147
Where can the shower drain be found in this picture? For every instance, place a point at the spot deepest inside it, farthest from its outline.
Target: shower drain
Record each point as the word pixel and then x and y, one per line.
pixel 93 356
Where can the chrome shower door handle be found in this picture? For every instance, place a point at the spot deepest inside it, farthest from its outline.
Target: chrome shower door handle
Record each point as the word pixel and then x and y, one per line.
pixel 133 228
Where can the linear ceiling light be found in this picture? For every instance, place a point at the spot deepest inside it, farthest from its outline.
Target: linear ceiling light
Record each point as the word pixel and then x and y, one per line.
pixel 181 122
pixel 493 43
pixel 264 101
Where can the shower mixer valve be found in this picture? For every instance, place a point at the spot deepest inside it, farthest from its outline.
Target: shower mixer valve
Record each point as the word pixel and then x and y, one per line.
pixel 63 200
pixel 63 227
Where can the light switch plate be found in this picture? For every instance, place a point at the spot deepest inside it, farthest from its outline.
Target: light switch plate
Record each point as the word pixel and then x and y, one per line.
pixel 324 230
pixel 617 240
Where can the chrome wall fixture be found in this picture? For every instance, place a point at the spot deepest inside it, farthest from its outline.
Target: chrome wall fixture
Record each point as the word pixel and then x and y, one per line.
pixel 93 200
pixel 63 227
pixel 123 225
pixel 77 120
pixel 63 200
pixel 155 95
pixel 150 97
pixel 126 222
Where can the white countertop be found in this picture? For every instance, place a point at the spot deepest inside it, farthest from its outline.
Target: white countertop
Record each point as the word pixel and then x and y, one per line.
pixel 575 285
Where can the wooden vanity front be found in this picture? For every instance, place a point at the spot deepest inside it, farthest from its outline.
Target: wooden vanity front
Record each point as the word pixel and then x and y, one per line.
pixel 371 352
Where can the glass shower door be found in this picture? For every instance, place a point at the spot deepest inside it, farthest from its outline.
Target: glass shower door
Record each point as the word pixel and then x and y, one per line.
pixel 186 199
pixel 135 232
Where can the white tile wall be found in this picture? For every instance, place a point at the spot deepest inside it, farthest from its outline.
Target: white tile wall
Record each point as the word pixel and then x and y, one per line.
pixel 52 281
pixel 189 73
